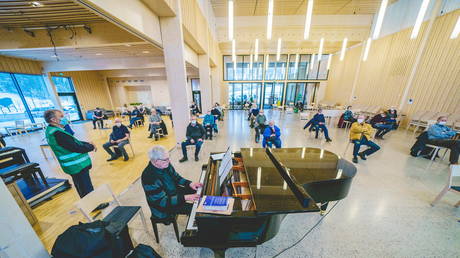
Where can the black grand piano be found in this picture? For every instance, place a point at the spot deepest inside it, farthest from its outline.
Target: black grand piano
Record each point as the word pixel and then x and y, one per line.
pixel 267 184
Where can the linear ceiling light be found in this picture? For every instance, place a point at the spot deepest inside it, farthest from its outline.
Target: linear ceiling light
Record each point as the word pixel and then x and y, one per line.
pixel 312 61
pixel 233 51
pixel 266 62
pixel 344 48
pixel 456 30
pixel 256 50
pixel 321 45
pixel 296 62
pixel 329 62
pixel 306 33
pixel 234 67
pixel 270 19
pixel 366 51
pixel 278 50
pixel 230 19
pixel 419 20
pixel 378 24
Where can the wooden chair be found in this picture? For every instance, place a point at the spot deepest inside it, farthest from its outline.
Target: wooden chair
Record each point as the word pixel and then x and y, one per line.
pixel 454 171
pixel 104 194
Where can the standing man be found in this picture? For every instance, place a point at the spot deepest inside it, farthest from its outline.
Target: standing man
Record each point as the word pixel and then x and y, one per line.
pixel 72 154
pixel 119 137
pixel 98 118
pixel 195 135
pixel 360 134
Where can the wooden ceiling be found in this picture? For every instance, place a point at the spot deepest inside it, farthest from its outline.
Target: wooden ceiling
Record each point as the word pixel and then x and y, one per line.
pixel 297 7
pixel 20 13
pixel 67 54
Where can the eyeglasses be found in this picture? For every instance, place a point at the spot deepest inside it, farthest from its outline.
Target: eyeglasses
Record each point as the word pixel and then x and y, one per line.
pixel 164 160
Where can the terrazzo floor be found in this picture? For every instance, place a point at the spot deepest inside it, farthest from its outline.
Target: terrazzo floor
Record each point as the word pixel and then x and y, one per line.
pixel 386 214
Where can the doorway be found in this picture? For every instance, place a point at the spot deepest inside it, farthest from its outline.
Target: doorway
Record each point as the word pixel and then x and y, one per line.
pixel 273 94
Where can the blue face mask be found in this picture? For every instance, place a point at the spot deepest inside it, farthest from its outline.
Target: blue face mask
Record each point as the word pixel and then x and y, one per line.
pixel 64 121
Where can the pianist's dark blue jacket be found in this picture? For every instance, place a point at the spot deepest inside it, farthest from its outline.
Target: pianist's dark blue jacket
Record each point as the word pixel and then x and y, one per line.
pixel 162 189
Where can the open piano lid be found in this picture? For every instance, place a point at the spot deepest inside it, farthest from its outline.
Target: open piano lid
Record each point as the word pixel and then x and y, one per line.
pixel 274 190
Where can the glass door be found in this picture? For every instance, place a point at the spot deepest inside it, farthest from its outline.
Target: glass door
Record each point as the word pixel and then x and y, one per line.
pixel 70 105
pixel 273 94
pixel 255 93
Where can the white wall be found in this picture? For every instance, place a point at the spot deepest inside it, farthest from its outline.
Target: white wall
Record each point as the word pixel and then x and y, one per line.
pixel 150 92
pixel 17 238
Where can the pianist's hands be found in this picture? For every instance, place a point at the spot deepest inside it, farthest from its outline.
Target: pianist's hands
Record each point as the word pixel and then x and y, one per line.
pixel 192 197
pixel 196 185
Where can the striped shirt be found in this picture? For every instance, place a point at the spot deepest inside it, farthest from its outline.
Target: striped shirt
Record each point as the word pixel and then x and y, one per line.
pixel 161 190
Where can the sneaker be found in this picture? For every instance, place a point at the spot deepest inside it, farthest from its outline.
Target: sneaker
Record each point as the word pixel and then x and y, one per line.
pixel 112 158
pixel 101 206
pixel 355 160
pixel 183 159
pixel 196 158
pixel 126 158
pixel 362 155
pixel 150 136
pixel 328 140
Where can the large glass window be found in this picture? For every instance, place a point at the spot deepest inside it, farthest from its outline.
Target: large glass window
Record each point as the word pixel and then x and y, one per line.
pixel 322 71
pixel 258 68
pixel 67 97
pixel 281 67
pixel 229 73
pixel 11 104
pixel 36 94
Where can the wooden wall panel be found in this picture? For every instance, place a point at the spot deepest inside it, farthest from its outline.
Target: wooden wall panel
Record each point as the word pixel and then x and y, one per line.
pixel 91 89
pixel 17 65
pixel 383 77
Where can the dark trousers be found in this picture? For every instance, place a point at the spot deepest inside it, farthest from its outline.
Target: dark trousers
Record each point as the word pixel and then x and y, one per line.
pixel 453 145
pixel 267 142
pixel 82 182
pixel 372 147
pixel 120 146
pixel 208 128
pixel 187 143
pixel 134 119
pixel 259 130
pixel 99 122
pixel 382 129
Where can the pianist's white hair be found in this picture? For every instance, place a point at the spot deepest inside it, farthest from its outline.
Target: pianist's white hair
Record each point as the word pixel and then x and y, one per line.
pixel 157 152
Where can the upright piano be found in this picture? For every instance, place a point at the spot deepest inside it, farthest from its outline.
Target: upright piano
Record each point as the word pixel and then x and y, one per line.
pixel 267 184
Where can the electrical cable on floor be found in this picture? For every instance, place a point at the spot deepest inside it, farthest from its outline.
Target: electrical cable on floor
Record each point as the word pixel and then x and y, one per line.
pixel 308 232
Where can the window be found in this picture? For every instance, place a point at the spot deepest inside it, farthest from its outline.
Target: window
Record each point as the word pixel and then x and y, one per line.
pixel 11 103
pixel 36 94
pixel 68 98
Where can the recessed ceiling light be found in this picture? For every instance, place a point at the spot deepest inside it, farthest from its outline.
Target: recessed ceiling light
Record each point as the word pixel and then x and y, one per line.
pixel 145 52
pixel 36 4
pixel 98 54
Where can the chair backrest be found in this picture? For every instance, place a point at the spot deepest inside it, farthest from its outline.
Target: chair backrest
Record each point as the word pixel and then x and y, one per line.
pixel 99 195
pixel 19 123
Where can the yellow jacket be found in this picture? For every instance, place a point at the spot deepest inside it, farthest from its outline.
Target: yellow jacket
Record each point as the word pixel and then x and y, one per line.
pixel 357 130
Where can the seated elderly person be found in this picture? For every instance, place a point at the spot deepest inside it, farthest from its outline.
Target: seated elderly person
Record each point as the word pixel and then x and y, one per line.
pixel 209 123
pixel 259 124
pixel 195 135
pixel 272 135
pixel 155 124
pixel 441 135
pixel 119 137
pixel 392 116
pixel 98 118
pixel 135 116
pixel 318 122
pixel 348 115
pixel 167 193
pixel 382 124
pixel 360 134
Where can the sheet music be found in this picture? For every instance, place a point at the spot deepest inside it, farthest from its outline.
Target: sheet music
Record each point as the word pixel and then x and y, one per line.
pixel 225 160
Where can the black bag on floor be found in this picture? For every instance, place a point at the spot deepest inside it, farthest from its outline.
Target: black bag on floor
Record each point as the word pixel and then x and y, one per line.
pixel 83 240
pixel 143 251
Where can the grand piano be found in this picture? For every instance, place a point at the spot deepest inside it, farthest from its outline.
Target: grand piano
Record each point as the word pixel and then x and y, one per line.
pixel 267 184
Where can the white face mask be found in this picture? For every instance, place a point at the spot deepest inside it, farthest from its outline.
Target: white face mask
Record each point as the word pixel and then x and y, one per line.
pixel 442 122
pixel 118 124
pixel 193 122
pixel 360 121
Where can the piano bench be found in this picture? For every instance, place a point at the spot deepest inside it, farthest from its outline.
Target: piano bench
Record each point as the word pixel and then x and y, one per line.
pixel 18 171
pixel 167 221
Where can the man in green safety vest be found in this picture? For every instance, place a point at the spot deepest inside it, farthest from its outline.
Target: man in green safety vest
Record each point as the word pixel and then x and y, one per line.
pixel 72 154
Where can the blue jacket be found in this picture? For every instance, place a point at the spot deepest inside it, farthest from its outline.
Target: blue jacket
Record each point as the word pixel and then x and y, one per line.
pixel 268 132
pixel 440 132
pixel 209 119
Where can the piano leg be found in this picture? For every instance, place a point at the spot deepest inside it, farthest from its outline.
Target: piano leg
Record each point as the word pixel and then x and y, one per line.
pixel 323 208
pixel 219 252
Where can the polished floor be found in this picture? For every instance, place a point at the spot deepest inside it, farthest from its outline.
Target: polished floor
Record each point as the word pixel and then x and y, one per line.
pixel 386 214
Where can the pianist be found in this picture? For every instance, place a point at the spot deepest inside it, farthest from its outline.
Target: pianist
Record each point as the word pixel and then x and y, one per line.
pixel 166 191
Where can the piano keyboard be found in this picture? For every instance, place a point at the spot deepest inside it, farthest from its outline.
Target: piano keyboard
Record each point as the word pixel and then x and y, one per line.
pixel 191 224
